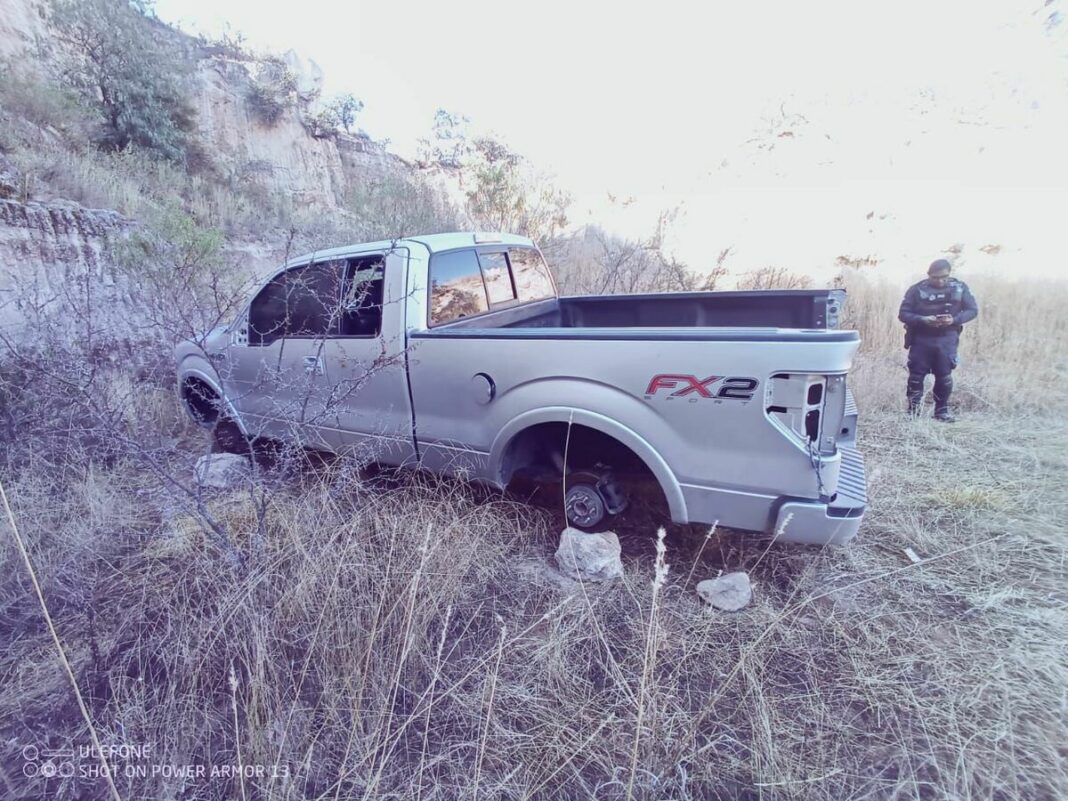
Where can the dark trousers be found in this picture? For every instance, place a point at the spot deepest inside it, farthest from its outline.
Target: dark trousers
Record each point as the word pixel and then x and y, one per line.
pixel 934 354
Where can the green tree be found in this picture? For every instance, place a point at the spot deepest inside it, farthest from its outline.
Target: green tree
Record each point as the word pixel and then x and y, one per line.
pixel 272 91
pixel 507 194
pixel 447 145
pixel 177 276
pixel 342 111
pixel 396 205
pixel 118 59
pixel 504 192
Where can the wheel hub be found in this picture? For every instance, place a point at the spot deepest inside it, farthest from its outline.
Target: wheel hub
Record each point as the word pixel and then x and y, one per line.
pixel 583 505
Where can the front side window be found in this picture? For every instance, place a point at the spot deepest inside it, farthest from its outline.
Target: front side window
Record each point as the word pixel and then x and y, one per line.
pixel 303 302
pixel 456 287
pixel 532 278
pixel 267 313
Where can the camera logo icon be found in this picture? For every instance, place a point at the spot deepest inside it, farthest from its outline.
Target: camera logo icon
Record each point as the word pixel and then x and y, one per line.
pixel 47 763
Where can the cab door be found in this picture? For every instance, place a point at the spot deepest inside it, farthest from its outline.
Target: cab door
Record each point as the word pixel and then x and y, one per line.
pixel 275 373
pixel 367 407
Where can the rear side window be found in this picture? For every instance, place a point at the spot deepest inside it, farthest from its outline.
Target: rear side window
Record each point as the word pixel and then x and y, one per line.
pixel 531 275
pixel 456 287
pixel 361 314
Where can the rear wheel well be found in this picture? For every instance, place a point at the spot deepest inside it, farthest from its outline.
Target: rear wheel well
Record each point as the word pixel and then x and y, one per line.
pixel 542 448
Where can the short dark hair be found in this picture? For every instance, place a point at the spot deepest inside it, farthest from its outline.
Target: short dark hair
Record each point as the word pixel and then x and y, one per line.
pixel 939 266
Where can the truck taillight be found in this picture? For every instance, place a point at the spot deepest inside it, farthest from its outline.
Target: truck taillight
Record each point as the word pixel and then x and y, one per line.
pixel 808 406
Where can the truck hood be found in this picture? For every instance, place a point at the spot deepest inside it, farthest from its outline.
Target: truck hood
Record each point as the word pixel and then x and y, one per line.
pixel 214 341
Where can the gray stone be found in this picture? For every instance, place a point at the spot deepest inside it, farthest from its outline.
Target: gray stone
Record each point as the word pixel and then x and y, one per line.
pixel 591 557
pixel 729 592
pixel 222 470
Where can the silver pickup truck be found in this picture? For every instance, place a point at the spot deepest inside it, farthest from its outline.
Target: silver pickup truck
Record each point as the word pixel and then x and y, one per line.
pixel 455 353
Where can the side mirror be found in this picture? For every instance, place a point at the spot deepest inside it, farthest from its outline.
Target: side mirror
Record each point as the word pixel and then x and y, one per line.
pixel 239 330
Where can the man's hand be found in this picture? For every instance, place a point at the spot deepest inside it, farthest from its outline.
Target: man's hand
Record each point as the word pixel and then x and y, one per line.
pixel 930 319
pixel 945 320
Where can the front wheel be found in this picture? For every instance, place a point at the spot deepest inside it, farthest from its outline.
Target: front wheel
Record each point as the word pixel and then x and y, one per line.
pixel 226 437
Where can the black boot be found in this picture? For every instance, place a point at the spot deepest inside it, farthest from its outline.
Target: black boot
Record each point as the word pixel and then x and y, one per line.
pixel 914 394
pixel 942 389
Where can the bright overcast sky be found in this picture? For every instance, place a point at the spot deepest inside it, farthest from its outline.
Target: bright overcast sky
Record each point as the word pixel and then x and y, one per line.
pixel 946 119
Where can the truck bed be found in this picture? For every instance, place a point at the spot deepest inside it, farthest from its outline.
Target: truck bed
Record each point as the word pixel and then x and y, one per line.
pixel 796 309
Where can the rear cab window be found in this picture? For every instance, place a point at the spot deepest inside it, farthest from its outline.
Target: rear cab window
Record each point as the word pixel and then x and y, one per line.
pixel 469 282
pixel 498 280
pixel 531 275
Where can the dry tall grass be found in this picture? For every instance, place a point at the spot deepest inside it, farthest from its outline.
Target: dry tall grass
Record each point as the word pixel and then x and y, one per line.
pixel 1013 356
pixel 400 637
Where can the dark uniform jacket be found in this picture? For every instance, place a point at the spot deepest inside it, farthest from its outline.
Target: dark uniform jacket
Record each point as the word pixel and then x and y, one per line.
pixel 923 300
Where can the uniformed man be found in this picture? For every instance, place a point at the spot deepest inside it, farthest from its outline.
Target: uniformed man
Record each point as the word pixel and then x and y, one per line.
pixel 934 311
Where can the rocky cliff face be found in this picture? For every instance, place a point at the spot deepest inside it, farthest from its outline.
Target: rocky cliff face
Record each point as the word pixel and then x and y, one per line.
pixel 286 155
pixel 21 23
pixel 289 155
pixel 50 249
pixel 51 255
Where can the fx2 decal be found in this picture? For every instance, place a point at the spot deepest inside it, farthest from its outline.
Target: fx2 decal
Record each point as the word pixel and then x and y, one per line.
pixel 691 387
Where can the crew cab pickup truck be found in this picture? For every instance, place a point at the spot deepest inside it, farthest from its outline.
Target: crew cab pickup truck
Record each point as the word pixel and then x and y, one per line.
pixel 455 353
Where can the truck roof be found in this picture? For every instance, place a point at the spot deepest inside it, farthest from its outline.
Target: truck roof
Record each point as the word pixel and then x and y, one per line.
pixel 433 242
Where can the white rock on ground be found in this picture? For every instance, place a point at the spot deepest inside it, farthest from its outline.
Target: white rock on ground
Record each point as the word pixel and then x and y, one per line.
pixel 222 470
pixel 729 592
pixel 592 557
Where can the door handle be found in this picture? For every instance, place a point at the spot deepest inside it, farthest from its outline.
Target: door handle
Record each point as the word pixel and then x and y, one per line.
pixel 313 364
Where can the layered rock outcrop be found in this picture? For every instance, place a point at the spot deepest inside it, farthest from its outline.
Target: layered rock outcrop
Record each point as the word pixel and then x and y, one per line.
pixel 286 155
pixel 53 254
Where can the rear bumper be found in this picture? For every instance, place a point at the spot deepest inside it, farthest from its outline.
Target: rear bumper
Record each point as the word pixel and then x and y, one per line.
pixel 831 523
pixel 802 521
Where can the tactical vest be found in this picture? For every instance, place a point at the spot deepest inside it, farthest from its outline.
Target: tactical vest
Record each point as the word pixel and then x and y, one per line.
pixel 930 301
pixel 948 300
